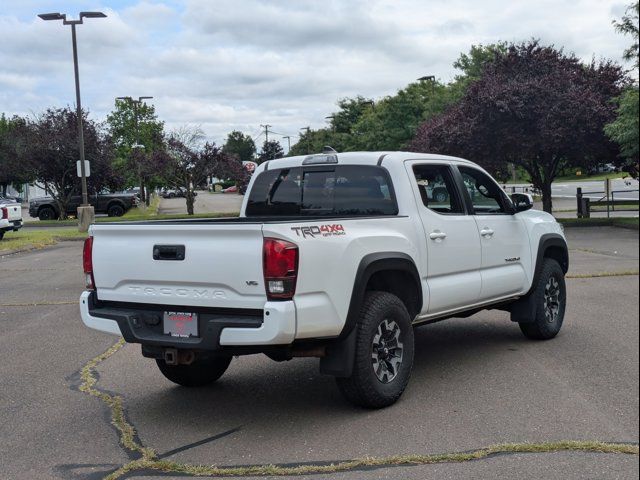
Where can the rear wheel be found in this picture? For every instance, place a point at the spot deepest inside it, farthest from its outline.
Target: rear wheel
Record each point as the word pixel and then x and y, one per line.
pixel 550 299
pixel 46 213
pixel 1 234
pixel 198 374
pixel 115 210
pixel 384 353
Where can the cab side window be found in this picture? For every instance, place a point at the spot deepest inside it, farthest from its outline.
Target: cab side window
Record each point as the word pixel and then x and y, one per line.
pixel 437 189
pixel 486 196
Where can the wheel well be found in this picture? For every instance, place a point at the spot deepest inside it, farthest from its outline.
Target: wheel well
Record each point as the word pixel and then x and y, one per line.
pixel 49 206
pixel 559 254
pixel 115 202
pixel 399 283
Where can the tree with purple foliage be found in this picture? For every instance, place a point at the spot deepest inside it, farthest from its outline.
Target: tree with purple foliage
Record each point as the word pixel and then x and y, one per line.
pixel 536 107
pixel 185 164
pixel 52 154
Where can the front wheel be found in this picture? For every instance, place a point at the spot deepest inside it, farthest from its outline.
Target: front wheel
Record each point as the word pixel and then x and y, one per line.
pixel 1 234
pixel 384 353
pixel 550 300
pixel 198 374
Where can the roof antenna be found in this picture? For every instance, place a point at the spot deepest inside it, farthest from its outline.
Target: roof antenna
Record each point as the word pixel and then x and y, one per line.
pixel 328 149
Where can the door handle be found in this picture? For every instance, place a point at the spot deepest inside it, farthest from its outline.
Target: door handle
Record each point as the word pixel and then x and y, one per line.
pixel 437 235
pixel 486 232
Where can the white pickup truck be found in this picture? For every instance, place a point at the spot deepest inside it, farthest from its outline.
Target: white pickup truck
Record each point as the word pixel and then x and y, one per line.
pixel 10 216
pixel 336 256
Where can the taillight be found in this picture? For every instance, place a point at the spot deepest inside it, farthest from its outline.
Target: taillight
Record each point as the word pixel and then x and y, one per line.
pixel 280 268
pixel 87 264
pixel 5 213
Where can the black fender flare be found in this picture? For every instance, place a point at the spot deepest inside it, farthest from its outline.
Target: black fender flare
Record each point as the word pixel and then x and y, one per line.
pixel 547 241
pixel 340 354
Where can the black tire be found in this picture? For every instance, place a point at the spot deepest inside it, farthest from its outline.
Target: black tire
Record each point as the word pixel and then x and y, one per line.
pixel 550 308
pixel 46 213
pixel 364 387
pixel 198 374
pixel 1 234
pixel 115 210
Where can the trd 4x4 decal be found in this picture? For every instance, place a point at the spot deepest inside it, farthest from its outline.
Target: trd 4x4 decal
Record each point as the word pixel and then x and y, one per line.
pixel 322 230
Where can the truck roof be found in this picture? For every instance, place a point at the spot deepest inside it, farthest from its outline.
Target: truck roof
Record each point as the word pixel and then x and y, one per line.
pixel 362 158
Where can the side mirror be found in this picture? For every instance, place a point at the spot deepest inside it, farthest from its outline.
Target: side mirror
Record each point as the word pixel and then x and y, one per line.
pixel 522 201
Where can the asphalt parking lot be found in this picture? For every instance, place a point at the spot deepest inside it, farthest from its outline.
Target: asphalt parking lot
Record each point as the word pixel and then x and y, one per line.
pixel 477 382
pixel 205 203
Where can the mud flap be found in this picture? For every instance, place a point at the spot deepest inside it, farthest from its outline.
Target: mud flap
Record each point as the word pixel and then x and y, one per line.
pixel 523 310
pixel 340 357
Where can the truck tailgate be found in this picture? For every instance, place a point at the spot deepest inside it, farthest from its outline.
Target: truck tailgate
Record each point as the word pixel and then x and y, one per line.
pixel 221 266
pixel 14 211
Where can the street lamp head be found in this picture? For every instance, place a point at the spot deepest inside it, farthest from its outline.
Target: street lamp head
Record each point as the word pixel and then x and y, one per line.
pixel 430 78
pixel 52 16
pixel 92 15
pixel 144 98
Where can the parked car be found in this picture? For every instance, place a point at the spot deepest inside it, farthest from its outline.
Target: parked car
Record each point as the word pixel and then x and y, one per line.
pixel 231 189
pixel 113 204
pixel 604 168
pixel 336 256
pixel 10 216
pixel 11 198
pixel 176 192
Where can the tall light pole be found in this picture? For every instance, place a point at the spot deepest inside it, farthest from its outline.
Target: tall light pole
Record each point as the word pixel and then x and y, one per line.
pixel 288 137
pixel 86 212
pixel 136 104
pixel 307 129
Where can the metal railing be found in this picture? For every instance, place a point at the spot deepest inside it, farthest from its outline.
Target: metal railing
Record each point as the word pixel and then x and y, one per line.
pixel 521 189
pixel 585 202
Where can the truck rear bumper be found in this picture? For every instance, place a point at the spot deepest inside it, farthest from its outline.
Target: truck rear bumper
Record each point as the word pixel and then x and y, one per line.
pixel 274 325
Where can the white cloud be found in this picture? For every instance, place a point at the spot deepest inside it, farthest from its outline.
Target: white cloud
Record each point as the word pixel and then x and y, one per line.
pixel 233 64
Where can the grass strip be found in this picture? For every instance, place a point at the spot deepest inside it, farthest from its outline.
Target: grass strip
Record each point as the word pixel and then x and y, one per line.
pixel 396 460
pixel 39 304
pixel 33 239
pixel 623 273
pixel 623 222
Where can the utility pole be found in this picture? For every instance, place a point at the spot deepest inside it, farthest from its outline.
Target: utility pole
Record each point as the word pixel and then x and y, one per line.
pixel 308 129
pixel 266 131
pixel 86 213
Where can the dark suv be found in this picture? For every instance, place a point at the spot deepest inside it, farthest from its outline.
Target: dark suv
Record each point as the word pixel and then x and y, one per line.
pixel 113 204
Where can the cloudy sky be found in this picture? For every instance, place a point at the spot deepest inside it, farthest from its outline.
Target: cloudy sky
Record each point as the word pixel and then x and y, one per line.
pixel 236 64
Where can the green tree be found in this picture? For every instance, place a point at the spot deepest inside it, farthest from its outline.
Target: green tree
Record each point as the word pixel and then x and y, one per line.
pixel 270 150
pixel 624 129
pixel 240 145
pixel 628 25
pixel 313 141
pixel 15 164
pixel 136 133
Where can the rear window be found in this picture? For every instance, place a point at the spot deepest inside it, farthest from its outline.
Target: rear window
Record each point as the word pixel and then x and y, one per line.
pixel 343 190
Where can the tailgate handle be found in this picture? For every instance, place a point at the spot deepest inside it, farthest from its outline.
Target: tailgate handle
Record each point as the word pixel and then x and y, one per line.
pixel 168 252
